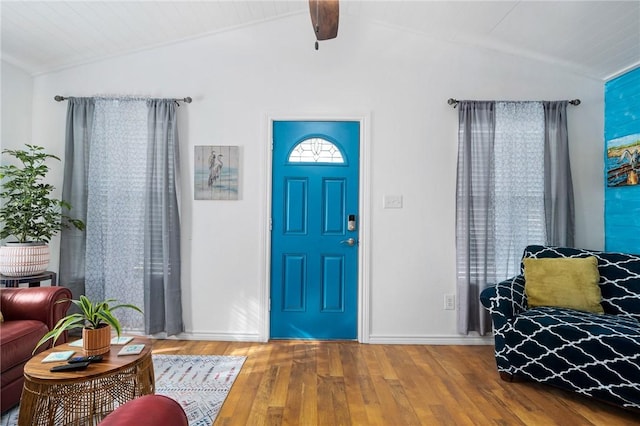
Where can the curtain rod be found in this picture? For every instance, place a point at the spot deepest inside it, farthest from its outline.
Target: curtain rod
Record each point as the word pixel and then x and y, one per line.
pixel 454 102
pixel 188 99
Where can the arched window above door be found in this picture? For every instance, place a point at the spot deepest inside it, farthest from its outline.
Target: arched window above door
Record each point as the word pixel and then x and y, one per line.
pixel 316 150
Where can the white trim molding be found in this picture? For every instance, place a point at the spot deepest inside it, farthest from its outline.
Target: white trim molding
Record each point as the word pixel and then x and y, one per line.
pixel 455 339
pixel 373 339
pixel 211 336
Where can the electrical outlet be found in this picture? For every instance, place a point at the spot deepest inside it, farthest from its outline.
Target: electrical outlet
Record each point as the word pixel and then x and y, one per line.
pixel 449 302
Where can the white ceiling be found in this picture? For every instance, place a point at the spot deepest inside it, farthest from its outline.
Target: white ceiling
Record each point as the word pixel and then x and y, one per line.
pixel 598 39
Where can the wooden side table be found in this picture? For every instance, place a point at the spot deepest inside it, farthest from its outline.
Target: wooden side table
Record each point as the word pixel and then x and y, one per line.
pixel 84 397
pixel 31 280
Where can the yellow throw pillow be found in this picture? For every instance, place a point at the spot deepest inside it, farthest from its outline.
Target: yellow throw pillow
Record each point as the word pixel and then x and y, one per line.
pixel 563 283
pixel 1 317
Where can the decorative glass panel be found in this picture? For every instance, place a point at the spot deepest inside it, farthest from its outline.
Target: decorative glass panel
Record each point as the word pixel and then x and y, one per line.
pixel 316 150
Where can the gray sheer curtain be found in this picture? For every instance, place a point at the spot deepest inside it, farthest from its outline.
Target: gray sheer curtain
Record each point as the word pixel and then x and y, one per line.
pixel 558 199
pixel 74 190
pixel 112 126
pixel 163 306
pixel 475 250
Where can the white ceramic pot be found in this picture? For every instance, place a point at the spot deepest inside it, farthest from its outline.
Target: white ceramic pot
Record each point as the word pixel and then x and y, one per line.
pixel 23 259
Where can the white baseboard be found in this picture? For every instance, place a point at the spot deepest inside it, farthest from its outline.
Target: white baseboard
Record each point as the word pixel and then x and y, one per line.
pixel 431 340
pixel 225 337
pixel 373 339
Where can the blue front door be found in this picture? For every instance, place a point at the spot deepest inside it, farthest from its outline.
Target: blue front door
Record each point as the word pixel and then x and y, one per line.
pixel 314 239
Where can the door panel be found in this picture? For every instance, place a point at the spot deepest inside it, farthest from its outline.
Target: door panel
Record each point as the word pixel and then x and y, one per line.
pixel 333 284
pixel 314 282
pixel 294 283
pixel 296 207
pixel 333 200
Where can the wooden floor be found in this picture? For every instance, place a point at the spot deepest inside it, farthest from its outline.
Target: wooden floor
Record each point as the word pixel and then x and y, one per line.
pixel 346 383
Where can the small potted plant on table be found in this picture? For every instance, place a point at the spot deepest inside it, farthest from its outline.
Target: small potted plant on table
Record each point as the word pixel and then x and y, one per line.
pixel 29 213
pixel 95 319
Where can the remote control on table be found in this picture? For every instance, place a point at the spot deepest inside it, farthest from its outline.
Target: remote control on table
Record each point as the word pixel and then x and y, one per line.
pixel 70 367
pixel 92 358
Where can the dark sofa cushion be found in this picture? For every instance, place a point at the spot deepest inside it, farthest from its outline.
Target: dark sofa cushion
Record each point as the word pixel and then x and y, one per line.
pixel 17 341
pixel 581 351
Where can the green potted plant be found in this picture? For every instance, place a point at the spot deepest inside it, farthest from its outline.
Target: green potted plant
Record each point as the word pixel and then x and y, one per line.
pixel 29 213
pixel 96 320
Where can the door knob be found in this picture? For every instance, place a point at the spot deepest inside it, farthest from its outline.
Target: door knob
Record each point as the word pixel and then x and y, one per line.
pixel 349 241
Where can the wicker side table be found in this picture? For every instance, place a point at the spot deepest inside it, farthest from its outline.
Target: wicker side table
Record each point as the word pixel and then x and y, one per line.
pixel 84 397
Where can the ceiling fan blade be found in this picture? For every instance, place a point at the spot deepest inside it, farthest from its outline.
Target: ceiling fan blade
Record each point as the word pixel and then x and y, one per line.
pixel 324 17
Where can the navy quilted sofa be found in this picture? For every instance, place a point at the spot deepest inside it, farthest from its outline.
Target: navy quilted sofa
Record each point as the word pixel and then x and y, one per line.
pixel 597 355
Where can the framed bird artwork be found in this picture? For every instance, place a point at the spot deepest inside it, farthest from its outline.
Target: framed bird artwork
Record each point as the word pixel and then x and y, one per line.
pixel 216 172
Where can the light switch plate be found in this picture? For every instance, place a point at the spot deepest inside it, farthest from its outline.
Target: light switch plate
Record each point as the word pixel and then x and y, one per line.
pixel 392 202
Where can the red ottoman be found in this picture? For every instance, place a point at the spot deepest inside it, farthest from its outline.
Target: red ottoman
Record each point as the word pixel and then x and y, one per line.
pixel 148 410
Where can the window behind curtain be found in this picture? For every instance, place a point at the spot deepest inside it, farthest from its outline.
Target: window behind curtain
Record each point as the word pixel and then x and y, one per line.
pixel 513 188
pixel 519 183
pixel 116 206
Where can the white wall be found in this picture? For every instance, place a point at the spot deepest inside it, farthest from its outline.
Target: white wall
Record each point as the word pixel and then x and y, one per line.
pixel 402 81
pixel 17 91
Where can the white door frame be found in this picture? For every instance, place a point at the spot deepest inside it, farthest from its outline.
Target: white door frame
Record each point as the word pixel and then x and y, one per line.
pixel 364 252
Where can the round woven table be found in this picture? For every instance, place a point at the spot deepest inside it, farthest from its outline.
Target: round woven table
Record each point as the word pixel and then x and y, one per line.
pixel 84 397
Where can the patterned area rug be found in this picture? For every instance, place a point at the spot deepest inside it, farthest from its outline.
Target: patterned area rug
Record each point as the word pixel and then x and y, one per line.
pixel 200 383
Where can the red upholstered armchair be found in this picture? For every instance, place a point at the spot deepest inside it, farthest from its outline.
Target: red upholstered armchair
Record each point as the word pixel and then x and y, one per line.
pixel 29 313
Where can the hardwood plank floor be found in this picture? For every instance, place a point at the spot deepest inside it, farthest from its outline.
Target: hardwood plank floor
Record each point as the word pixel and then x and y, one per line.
pixel 346 383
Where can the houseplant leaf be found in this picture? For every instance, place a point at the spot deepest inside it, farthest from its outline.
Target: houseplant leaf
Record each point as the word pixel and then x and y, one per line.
pixel 92 315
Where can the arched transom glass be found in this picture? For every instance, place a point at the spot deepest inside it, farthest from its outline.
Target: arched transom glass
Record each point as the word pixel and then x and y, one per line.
pixel 316 150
